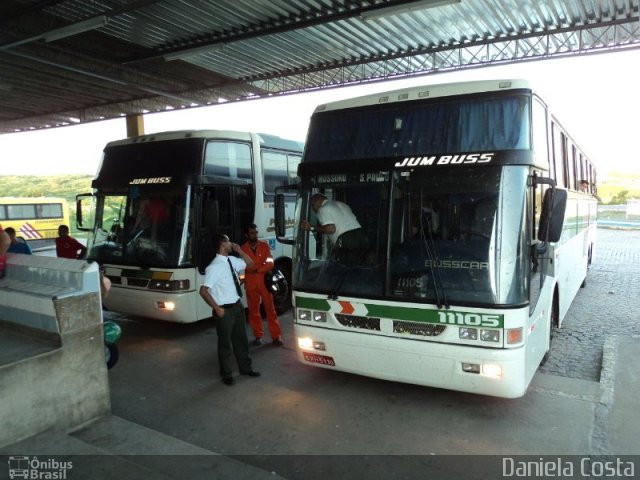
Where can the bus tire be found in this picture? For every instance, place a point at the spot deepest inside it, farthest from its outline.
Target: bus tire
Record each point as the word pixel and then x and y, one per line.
pixel 553 323
pixel 584 281
pixel 282 300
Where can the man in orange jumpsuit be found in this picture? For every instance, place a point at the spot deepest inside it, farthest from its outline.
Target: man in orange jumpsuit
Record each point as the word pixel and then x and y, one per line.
pixel 256 290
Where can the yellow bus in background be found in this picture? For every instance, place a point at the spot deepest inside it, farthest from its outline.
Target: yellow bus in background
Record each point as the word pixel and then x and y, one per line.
pixel 35 219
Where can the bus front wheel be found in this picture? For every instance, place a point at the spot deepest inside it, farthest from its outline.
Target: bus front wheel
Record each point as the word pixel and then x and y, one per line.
pixel 553 322
pixel 282 298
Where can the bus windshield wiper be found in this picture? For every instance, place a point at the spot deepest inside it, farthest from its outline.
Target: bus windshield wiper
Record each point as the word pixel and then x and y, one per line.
pixel 429 246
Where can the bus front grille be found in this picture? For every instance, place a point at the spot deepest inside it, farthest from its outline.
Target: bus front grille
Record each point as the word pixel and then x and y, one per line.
pixel 418 328
pixel 353 321
pixel 137 282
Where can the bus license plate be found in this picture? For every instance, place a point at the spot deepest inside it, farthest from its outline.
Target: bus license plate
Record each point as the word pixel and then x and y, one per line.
pixel 315 358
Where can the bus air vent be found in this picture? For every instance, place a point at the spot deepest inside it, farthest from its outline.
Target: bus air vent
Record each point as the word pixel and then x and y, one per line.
pixel 418 328
pixel 137 282
pixel 353 321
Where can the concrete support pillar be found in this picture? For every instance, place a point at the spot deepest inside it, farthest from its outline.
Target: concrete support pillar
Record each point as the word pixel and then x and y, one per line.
pixel 135 125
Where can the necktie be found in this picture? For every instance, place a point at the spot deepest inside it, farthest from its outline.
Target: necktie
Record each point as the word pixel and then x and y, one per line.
pixel 235 278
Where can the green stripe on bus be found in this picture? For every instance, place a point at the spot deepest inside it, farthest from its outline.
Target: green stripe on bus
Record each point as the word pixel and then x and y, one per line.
pixel 313 303
pixel 446 317
pixel 403 313
pixel 440 317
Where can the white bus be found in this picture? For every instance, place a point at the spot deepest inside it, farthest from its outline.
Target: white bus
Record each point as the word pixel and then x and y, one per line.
pixel 480 214
pixel 159 199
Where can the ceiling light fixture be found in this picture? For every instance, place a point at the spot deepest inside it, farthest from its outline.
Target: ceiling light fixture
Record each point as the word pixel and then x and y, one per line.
pixel 406 8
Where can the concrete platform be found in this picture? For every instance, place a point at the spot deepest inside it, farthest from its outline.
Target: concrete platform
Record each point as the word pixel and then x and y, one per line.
pixel 621 422
pixel 113 448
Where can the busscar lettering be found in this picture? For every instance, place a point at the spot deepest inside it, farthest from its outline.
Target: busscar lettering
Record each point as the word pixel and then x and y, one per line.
pixel 464 159
pixel 461 264
pixel 150 181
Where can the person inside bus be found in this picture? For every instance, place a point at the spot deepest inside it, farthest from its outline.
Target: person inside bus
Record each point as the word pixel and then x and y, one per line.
pixel 17 246
pixel 584 186
pixel 337 220
pixel 221 290
pixel 152 213
pixel 256 289
pixel 67 246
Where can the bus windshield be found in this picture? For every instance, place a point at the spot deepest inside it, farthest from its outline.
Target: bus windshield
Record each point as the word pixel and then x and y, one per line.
pixel 434 236
pixel 144 227
pixel 415 128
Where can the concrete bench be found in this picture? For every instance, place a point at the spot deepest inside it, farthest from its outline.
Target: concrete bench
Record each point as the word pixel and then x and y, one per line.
pixel 32 283
pixel 52 366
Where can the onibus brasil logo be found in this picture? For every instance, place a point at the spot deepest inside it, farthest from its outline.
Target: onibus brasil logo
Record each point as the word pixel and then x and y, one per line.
pixel 33 468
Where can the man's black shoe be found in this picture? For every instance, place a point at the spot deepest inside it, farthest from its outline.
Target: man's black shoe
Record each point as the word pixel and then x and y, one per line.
pixel 252 373
pixel 278 343
pixel 257 341
pixel 228 381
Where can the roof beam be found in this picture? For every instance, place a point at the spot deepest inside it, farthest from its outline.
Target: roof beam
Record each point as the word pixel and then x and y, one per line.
pixel 310 18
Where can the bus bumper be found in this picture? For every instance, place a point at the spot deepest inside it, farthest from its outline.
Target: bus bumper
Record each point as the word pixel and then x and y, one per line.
pixel 171 307
pixel 501 371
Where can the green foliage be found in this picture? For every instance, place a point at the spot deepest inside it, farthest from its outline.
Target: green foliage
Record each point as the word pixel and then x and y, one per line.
pixel 618 187
pixel 63 186
pixel 620 198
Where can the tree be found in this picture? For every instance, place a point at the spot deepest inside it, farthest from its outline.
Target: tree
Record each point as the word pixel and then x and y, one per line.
pixel 619 198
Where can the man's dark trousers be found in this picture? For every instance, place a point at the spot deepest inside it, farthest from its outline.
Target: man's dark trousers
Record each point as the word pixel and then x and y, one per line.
pixel 232 338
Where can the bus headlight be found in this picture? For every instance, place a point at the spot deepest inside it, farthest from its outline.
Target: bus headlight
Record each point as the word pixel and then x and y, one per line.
pixel 304 315
pixel 468 333
pixel 166 306
pixel 169 285
pixel 490 335
pixel 320 317
pixel 492 370
pixel 305 343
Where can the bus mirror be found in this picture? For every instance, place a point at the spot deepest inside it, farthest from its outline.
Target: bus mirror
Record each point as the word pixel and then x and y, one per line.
pixel 280 213
pixel 82 200
pixel 543 181
pixel 79 213
pixel 554 205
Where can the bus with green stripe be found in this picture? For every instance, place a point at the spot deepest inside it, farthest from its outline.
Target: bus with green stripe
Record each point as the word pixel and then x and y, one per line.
pixel 480 217
pixel 159 199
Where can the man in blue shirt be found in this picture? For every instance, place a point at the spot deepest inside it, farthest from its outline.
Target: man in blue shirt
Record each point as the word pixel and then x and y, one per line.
pixel 17 246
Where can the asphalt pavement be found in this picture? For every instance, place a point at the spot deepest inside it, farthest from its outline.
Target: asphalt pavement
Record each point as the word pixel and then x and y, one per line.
pixel 173 418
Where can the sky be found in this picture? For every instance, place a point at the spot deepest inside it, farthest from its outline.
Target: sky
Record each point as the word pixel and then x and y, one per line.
pixel 595 97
